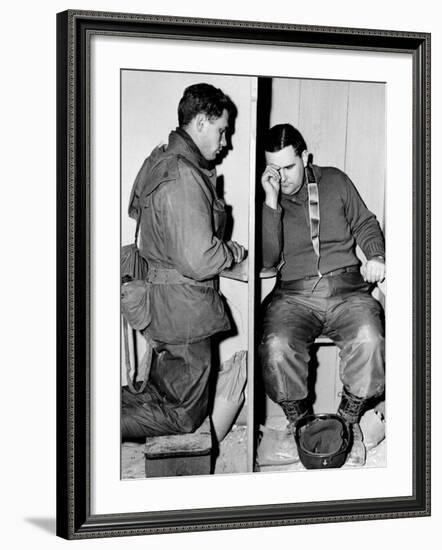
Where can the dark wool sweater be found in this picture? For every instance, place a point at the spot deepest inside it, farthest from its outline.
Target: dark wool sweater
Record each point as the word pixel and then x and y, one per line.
pixel 344 222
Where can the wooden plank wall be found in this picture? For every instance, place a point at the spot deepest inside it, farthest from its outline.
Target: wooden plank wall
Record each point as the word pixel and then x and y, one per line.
pixel 343 124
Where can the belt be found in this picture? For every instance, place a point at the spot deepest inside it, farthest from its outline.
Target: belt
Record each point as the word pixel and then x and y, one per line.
pixel 164 276
pixel 305 282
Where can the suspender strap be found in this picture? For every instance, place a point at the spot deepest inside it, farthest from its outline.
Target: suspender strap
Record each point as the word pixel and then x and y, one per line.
pixel 137 229
pixel 313 212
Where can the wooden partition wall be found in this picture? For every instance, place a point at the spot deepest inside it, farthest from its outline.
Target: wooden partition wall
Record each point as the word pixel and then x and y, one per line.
pixel 343 124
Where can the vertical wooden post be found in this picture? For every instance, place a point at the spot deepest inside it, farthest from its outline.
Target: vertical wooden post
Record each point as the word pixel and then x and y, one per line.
pixel 251 276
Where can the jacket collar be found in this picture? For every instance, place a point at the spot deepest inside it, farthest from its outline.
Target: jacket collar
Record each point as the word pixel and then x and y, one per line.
pixel 151 174
pixel 181 143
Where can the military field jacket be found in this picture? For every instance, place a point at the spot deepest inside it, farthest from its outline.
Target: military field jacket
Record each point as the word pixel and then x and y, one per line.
pixel 181 227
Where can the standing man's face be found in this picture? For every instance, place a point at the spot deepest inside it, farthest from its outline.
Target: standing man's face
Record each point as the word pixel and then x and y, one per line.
pixel 290 167
pixel 212 136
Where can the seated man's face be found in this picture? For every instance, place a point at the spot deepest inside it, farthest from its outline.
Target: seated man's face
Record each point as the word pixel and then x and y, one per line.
pixel 290 167
pixel 213 136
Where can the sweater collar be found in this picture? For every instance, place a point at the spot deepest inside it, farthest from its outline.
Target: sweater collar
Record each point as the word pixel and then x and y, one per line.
pixel 302 195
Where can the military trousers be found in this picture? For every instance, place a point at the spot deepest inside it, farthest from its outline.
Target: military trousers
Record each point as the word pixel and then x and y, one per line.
pixel 175 399
pixel 340 307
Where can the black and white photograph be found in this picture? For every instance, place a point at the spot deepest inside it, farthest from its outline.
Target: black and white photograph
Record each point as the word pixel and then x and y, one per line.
pixel 245 336
pixel 253 274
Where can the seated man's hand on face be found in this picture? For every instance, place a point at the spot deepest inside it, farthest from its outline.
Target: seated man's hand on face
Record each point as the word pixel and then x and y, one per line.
pixel 237 250
pixel 270 182
pixel 374 271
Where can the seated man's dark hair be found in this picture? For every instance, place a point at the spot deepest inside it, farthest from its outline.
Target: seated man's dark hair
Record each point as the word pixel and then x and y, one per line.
pixel 202 98
pixel 283 135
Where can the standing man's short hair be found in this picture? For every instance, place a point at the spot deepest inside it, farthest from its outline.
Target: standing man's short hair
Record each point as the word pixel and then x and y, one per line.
pixel 202 98
pixel 283 135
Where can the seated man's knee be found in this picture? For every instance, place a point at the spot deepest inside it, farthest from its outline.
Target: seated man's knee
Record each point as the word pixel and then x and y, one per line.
pixel 370 337
pixel 363 369
pixel 273 349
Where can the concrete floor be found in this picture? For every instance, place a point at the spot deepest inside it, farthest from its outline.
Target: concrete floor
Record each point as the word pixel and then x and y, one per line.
pixel 232 457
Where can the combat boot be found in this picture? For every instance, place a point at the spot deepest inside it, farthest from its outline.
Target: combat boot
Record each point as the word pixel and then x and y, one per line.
pixel 351 409
pixel 278 447
pixel 294 410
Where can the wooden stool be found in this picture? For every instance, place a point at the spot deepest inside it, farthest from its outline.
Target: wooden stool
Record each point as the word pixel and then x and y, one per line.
pixel 179 455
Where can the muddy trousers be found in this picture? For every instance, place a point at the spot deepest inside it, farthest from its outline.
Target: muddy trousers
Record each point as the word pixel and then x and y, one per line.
pixel 340 307
pixel 176 397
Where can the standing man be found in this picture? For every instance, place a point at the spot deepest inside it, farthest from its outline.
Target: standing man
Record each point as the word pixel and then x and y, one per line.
pixel 313 217
pixel 181 228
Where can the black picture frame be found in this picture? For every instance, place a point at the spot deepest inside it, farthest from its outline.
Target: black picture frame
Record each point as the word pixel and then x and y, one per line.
pixel 74 518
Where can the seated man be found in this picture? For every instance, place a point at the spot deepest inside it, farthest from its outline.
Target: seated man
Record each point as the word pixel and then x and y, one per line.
pixel 313 217
pixel 181 228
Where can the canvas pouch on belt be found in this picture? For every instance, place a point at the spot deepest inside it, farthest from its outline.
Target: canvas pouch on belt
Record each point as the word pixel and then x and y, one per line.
pixel 135 291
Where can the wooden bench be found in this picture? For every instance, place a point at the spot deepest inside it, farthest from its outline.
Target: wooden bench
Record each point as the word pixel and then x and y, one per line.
pixel 179 455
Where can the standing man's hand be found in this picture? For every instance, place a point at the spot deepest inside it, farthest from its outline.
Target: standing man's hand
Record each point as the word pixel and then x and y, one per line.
pixel 237 250
pixel 374 270
pixel 270 182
